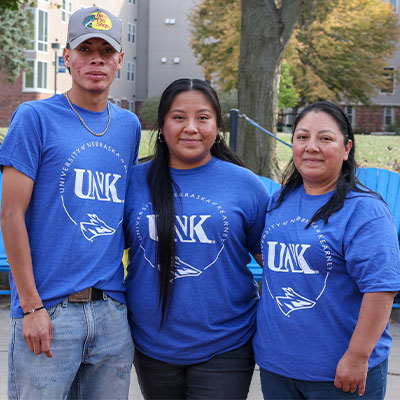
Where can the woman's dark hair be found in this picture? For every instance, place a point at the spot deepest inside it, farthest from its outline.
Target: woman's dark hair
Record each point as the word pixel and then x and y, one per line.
pixel 162 186
pixel 347 180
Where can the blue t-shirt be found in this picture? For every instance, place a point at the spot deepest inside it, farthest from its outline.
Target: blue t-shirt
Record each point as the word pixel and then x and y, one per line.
pixel 220 209
pixel 74 218
pixel 314 280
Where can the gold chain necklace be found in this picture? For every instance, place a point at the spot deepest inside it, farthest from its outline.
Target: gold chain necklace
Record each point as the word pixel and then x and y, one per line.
pixel 83 122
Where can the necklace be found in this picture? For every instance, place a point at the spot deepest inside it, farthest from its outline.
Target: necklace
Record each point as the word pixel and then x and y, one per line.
pixel 83 122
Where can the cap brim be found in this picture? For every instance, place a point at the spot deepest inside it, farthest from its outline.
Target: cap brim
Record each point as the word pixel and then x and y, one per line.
pixel 77 41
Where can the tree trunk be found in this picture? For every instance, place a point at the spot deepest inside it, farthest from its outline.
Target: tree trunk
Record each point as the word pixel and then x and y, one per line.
pixel 266 30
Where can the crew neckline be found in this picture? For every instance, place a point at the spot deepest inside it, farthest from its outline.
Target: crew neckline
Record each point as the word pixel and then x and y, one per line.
pixel 196 170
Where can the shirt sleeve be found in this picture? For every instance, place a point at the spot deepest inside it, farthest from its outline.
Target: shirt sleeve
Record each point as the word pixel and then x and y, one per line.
pixel 22 145
pixel 372 251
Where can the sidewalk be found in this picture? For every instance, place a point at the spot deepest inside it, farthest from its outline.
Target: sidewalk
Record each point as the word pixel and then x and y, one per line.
pixel 393 386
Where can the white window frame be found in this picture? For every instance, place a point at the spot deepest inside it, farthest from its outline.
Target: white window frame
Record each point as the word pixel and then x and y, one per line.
pixel 131 106
pixel 385 115
pixel 132 2
pixel 118 75
pixel 390 77
pixel 117 102
pixel 66 10
pixel 131 33
pixel 130 75
pixel 37 65
pixel 42 44
pixel 350 111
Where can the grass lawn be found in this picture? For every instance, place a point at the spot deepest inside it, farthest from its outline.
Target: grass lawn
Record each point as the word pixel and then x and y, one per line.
pixel 371 150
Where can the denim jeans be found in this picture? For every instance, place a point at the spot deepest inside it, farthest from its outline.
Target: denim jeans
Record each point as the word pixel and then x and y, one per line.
pixel 226 376
pixel 279 387
pixel 92 355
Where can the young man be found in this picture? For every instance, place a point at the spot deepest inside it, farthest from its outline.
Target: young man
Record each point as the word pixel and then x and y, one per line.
pixel 65 163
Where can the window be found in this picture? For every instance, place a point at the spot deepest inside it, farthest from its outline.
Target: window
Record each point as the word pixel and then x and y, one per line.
pixel 29 82
pixel 177 60
pixel 118 74
pixel 66 10
pixel 350 112
pixel 163 60
pixel 132 1
pixel 131 33
pixel 131 106
pixel 117 102
pixel 169 21
pixel 388 116
pixel 131 72
pixel 41 30
pixel 36 76
pixel 388 74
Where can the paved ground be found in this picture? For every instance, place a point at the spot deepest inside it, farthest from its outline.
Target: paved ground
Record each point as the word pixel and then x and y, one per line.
pixel 393 389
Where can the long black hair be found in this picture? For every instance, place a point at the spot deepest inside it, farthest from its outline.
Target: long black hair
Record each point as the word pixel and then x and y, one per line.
pixel 162 186
pixel 347 180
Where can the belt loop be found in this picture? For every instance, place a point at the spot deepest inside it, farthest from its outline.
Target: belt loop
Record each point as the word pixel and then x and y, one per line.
pixel 105 296
pixel 64 303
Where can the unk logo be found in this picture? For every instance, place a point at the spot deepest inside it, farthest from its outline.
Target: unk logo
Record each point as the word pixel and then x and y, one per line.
pixel 286 258
pixel 188 229
pixel 292 301
pixel 95 227
pixel 96 185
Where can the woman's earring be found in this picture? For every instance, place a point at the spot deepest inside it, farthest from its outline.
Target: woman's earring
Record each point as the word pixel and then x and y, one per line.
pixel 218 139
pixel 161 137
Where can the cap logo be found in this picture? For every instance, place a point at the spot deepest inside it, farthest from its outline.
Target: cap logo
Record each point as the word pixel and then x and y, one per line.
pixel 97 20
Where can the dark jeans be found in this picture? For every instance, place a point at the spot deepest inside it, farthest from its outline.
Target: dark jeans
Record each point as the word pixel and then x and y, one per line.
pixel 279 387
pixel 226 376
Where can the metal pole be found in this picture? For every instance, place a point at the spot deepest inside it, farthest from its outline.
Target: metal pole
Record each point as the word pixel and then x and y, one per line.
pixel 233 127
pixel 55 72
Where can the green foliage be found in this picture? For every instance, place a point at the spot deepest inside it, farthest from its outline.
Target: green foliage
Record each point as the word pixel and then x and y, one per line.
pixel 10 4
pixel 228 100
pixel 215 30
pixel 16 30
pixel 288 95
pixel 148 111
pixel 339 48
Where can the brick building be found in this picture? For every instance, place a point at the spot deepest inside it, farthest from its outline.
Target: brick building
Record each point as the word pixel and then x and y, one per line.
pixel 153 57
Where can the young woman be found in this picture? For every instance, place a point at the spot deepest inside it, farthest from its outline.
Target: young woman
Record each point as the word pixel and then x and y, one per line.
pixel 193 215
pixel 331 271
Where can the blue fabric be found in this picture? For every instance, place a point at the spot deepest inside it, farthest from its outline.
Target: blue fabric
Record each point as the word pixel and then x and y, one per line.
pixel 91 358
pixel 220 210
pixel 314 281
pixel 280 387
pixel 75 214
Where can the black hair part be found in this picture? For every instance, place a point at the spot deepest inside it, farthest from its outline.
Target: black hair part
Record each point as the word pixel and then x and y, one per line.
pixel 347 180
pixel 162 186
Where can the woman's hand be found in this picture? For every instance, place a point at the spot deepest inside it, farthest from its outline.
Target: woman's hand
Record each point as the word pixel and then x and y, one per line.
pixel 352 368
pixel 351 372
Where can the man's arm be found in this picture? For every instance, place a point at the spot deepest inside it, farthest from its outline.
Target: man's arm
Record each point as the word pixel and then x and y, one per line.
pixel 374 315
pixel 17 191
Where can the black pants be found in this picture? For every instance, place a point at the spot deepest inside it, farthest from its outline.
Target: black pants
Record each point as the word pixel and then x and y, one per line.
pixel 226 376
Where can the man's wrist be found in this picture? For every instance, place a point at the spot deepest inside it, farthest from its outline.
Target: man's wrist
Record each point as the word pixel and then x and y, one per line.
pixel 31 311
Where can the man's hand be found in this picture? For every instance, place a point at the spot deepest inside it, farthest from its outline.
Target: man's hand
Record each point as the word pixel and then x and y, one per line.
pixel 38 332
pixel 351 372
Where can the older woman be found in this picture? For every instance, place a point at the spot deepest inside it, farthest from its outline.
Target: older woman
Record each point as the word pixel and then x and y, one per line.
pixel 331 271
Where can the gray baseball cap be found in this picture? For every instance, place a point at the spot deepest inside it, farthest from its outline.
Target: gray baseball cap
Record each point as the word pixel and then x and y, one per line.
pixel 94 22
